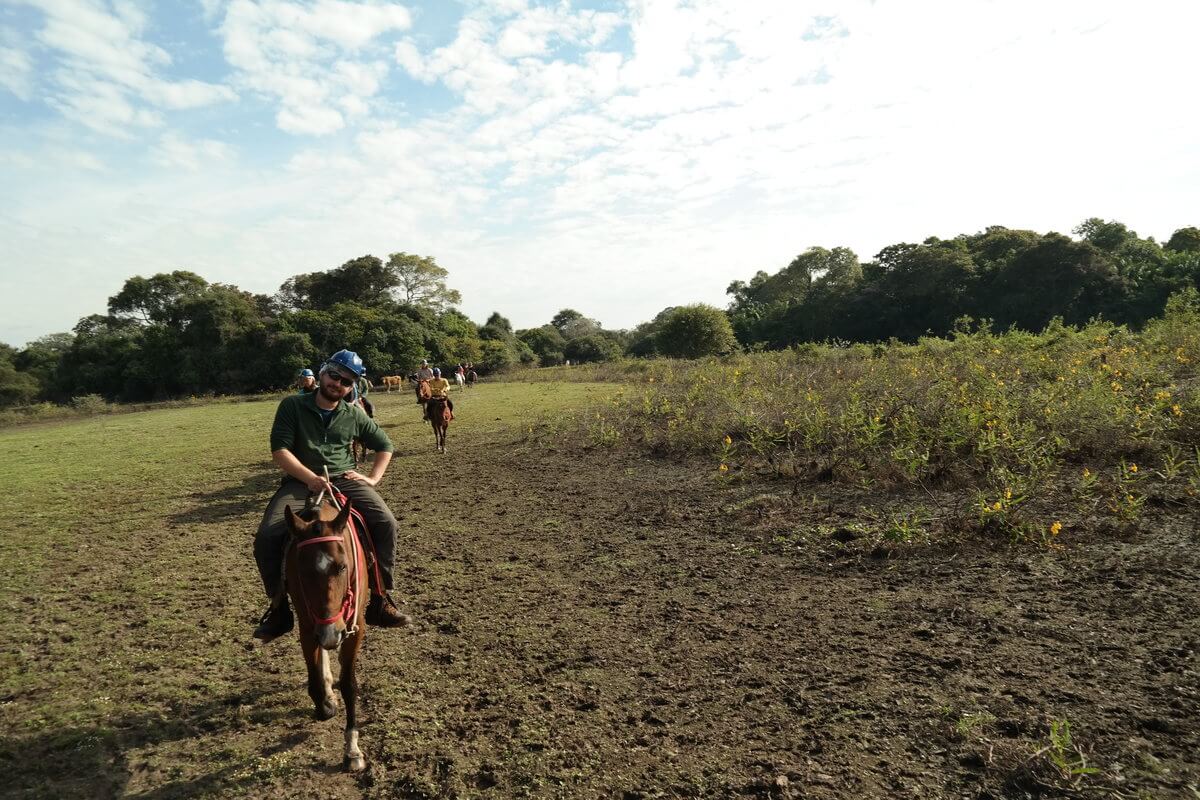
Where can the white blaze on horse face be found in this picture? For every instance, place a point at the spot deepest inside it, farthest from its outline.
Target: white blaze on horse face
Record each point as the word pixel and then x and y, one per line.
pixel 325 564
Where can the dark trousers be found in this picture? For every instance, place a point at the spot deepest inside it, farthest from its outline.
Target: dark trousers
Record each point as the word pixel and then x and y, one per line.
pixel 273 532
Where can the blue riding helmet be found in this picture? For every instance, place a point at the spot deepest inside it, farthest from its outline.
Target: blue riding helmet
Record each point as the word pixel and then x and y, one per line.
pixel 437 373
pixel 307 373
pixel 348 359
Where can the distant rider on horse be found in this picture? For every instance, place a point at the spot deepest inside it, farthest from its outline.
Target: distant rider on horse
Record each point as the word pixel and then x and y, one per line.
pixel 359 395
pixel 439 389
pixel 423 373
pixel 312 432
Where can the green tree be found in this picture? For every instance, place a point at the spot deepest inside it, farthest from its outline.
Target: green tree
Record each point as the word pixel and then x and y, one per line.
pixel 546 343
pixel 459 349
pixel 105 358
pixel 365 281
pixel 16 387
pixel 497 328
pixel 592 347
pixel 565 316
pixel 1057 277
pixel 497 355
pixel 695 331
pixel 1184 240
pixel 157 298
pixel 1104 235
pixel 421 282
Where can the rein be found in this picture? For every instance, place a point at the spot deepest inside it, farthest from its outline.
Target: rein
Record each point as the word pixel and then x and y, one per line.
pixel 349 610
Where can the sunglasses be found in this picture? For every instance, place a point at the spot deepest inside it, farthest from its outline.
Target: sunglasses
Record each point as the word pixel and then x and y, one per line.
pixel 340 378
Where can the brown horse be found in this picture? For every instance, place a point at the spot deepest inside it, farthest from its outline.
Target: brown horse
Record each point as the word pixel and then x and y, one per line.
pixel 423 393
pixel 358 450
pixel 392 381
pixel 326 576
pixel 438 411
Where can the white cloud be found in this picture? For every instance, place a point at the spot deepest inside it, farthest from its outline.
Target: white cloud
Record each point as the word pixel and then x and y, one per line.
pixel 308 57
pixel 16 72
pixel 173 151
pixel 109 73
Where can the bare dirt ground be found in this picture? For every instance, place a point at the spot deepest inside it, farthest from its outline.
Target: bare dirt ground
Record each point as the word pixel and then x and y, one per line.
pixel 606 627
pixel 601 624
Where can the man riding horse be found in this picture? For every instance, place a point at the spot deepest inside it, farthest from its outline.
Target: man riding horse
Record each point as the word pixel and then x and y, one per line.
pixel 439 389
pixel 311 433
pixel 423 373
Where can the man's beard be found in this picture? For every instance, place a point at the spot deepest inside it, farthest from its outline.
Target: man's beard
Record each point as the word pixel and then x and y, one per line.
pixel 329 395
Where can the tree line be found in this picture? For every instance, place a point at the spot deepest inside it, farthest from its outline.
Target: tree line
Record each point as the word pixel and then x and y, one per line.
pixel 1013 278
pixel 175 334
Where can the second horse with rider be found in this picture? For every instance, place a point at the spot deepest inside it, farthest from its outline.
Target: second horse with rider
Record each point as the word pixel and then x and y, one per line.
pixel 439 389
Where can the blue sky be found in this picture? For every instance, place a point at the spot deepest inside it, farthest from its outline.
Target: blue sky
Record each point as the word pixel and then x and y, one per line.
pixel 616 157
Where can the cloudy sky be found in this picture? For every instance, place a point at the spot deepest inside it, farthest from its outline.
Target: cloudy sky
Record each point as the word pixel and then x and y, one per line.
pixel 614 156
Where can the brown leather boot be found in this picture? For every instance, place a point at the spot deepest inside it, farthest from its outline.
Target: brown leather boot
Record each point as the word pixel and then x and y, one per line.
pixel 382 613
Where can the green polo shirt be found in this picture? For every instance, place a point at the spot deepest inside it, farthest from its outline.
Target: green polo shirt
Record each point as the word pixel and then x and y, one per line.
pixel 298 427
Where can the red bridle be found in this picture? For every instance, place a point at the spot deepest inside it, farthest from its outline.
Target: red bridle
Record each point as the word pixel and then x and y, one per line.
pixel 349 609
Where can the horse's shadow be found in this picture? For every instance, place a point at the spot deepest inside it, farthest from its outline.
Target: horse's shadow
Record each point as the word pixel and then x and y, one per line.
pixel 92 761
pixel 223 505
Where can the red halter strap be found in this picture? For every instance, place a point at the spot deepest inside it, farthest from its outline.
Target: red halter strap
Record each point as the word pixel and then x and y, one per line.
pixel 348 610
pixel 316 539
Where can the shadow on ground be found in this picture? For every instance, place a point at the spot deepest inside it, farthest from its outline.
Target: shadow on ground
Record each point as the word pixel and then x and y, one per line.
pixel 231 502
pixel 91 761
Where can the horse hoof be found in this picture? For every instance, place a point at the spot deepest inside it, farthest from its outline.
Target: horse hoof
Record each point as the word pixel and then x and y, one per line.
pixel 357 764
pixel 325 711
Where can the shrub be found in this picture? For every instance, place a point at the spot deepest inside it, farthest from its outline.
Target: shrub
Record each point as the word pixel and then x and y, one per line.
pixel 89 404
pixel 694 332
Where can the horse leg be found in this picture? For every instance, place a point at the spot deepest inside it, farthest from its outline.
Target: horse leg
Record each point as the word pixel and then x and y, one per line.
pixel 348 684
pixel 320 679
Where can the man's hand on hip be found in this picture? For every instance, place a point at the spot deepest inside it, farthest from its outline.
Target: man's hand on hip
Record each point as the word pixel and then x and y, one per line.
pixel 354 475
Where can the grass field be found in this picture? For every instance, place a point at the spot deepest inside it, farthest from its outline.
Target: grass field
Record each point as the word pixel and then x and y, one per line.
pixel 591 622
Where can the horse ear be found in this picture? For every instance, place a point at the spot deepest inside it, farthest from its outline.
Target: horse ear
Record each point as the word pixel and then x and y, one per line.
pixel 339 521
pixel 297 526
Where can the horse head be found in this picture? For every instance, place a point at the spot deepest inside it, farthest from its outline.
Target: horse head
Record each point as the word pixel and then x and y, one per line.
pixel 325 572
pixel 423 390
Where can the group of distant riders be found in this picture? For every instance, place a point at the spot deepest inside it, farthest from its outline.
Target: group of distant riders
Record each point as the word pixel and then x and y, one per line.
pixel 311 440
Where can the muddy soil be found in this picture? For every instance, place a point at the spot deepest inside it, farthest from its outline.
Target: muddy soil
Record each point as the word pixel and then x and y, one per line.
pixel 605 625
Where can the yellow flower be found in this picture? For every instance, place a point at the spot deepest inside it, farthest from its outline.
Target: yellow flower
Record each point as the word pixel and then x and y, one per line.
pixel 1087 473
pixel 724 468
pixel 996 506
pixel 728 440
pixel 1176 410
pixel 1008 494
pixel 1133 467
pixel 1055 527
